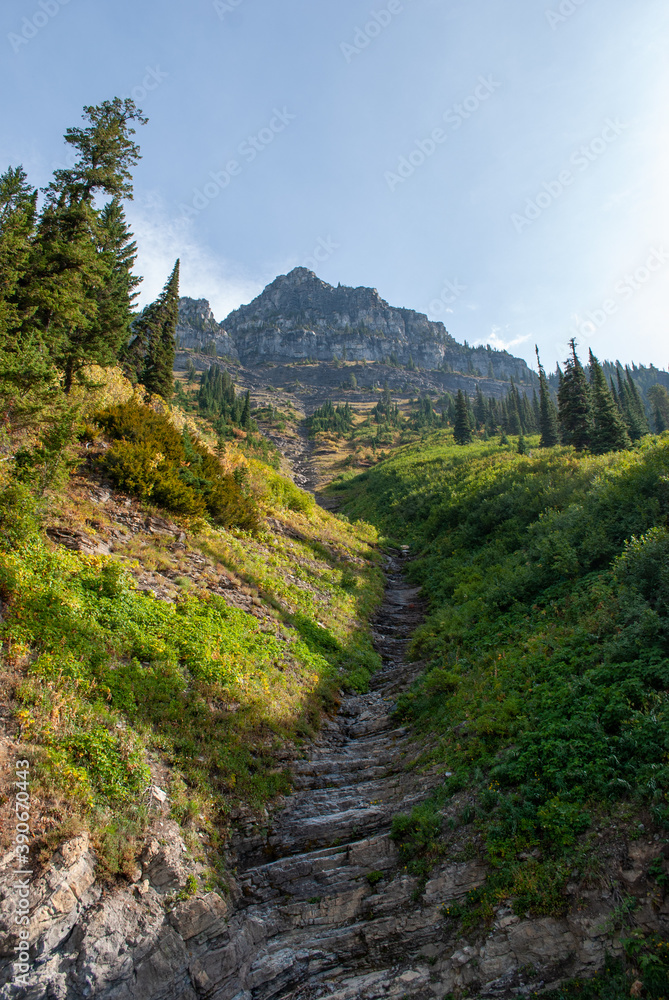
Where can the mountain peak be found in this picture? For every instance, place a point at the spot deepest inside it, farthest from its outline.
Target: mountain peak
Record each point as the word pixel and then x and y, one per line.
pixel 299 317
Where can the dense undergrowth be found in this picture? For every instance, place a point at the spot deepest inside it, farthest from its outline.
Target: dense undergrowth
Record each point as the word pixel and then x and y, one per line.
pixel 150 459
pixel 547 643
pixel 115 688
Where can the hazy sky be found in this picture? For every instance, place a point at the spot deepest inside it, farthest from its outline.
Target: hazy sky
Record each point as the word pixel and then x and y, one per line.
pixel 499 164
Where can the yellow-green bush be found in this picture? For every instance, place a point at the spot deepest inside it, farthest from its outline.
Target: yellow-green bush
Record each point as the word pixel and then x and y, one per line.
pixel 152 460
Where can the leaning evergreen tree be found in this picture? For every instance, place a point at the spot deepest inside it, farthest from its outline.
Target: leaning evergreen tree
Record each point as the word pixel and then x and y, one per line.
pixel 608 428
pixel 574 415
pixel 157 326
pixel 462 428
pixel 548 418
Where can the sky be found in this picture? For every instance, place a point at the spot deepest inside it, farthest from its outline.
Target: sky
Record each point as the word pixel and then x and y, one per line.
pixel 498 164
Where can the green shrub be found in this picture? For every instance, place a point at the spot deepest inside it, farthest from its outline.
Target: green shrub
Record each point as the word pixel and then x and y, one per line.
pixel 150 459
pixel 417 832
pixel 282 492
pixel 18 515
pixel 115 766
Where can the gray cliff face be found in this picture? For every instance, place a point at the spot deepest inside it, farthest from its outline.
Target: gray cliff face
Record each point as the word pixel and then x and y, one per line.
pixel 298 317
pixel 198 330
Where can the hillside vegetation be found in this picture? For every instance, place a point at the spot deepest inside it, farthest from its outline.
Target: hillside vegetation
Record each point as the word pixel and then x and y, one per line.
pixel 546 647
pixel 196 656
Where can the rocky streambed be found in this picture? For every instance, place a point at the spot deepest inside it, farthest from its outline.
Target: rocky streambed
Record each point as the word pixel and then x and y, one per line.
pixel 321 905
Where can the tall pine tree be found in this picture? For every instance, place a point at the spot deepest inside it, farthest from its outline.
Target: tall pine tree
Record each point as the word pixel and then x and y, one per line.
pixel 608 429
pixel 574 403
pixel 157 329
pixel 548 418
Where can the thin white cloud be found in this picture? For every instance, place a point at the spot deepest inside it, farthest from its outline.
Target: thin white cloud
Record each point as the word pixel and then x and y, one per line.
pixel 499 342
pixel 204 275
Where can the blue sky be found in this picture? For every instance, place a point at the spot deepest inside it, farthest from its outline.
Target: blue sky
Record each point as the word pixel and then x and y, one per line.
pixel 499 164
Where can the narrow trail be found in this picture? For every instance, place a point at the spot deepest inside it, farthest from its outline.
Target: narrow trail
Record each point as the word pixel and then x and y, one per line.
pixel 332 912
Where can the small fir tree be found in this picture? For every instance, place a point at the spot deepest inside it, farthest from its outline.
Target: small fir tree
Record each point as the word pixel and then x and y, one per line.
pixel 536 410
pixel 28 377
pixel 574 415
pixel 245 419
pixel 157 328
pixel 117 297
pixel 548 418
pixel 608 428
pixel 462 428
pixel 659 401
pixel 638 420
pixel 479 409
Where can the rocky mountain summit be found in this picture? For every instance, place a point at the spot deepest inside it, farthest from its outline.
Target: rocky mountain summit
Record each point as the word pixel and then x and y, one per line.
pixel 198 330
pixel 300 318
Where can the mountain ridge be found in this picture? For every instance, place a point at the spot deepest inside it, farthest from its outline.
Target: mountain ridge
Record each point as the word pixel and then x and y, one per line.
pixel 298 317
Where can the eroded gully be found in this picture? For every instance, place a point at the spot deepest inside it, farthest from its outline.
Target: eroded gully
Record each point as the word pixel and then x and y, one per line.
pixel 333 913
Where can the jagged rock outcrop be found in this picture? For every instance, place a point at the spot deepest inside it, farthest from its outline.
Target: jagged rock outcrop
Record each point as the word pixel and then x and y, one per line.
pixel 197 330
pixel 299 317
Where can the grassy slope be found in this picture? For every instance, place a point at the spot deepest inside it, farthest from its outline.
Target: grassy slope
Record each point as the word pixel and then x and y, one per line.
pixel 547 645
pixel 113 687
